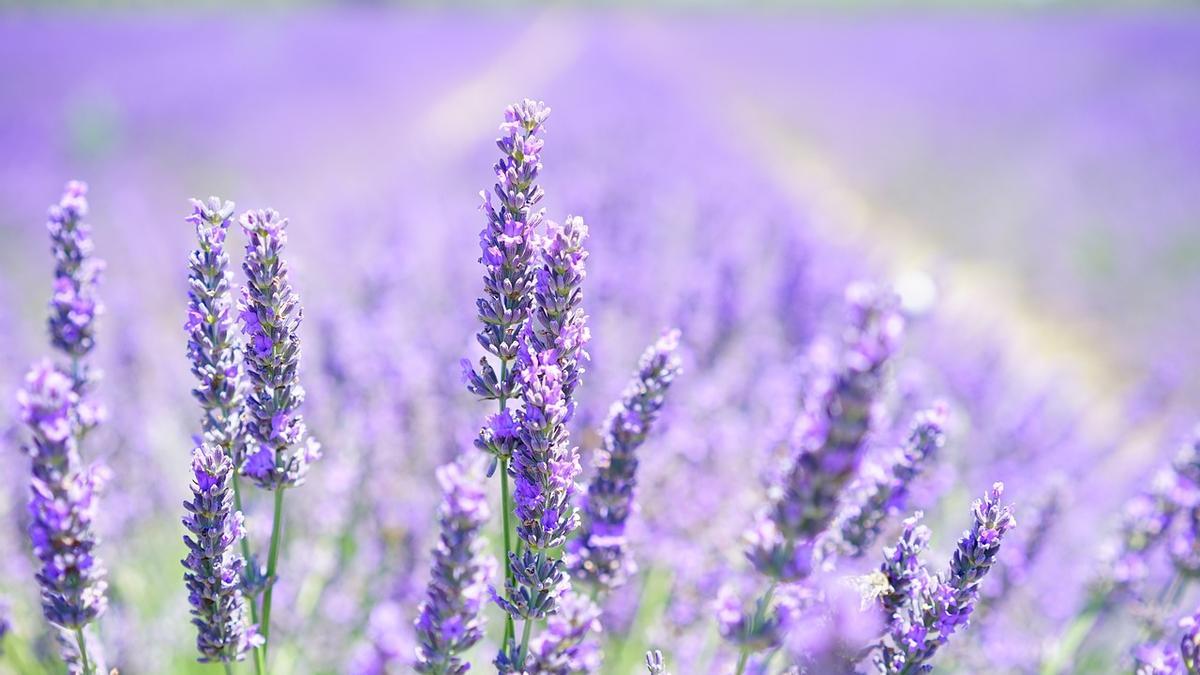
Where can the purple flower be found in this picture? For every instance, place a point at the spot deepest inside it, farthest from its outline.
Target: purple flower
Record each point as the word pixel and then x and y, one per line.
pixel 560 323
pixel 214 570
pixel 508 246
pixel 568 645
pixel 829 438
pixel 63 501
pixel 271 316
pixel 450 619
pixel 599 554
pixel 902 569
pixel 883 490
pixel 214 354
pixel 943 604
pixel 655 664
pixel 74 305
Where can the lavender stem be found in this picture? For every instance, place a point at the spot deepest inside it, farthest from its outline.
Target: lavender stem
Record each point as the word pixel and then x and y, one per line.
pixel 272 559
pixel 83 653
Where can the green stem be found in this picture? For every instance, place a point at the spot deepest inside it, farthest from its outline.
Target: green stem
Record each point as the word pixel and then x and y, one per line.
pixel 1076 634
pixel 506 508
pixel 272 560
pixel 83 652
pixel 228 668
pixel 525 632
pixel 237 504
pixel 760 613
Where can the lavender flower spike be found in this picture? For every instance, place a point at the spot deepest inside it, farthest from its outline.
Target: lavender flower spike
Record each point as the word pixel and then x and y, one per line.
pixel 450 621
pixel 212 349
pixel 558 294
pixel 214 570
pixel 508 245
pixel 943 605
pixel 74 305
pixel 63 501
pixel 882 491
pixel 655 664
pixel 902 570
pixel 544 468
pixel 280 450
pixel 598 554
pixel 830 438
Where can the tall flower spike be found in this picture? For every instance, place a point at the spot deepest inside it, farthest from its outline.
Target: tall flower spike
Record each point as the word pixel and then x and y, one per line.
pixel 943 605
pixel 214 569
pixel 558 295
pixel 544 467
pixel 212 347
pixel 508 246
pixel 881 491
pixel 902 570
pixel 279 448
pixel 830 437
pixel 74 305
pixel 599 553
pixel 63 501
pixel 450 619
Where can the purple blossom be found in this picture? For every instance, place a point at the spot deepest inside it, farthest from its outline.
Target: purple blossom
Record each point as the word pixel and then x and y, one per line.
pixel 599 554
pixel 655 664
pixel 560 322
pixel 280 449
pixel 214 570
pixel 212 349
pixel 508 245
pixel 450 619
pixel 568 645
pixel 74 305
pixel 942 605
pixel 63 500
pixel 882 489
pixel 902 570
pixel 829 439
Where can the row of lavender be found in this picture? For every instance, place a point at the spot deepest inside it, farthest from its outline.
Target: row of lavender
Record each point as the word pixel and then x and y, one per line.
pixel 825 504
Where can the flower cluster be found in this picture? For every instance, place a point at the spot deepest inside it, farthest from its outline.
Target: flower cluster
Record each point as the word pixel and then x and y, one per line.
pixel 939 606
pixel 509 244
pixel 830 438
pixel 569 644
pixel 560 323
pixel 279 448
pixel 449 622
pixel 212 349
pixel 74 305
pixel 599 553
pixel 882 488
pixel 902 572
pixel 63 501
pixel 214 570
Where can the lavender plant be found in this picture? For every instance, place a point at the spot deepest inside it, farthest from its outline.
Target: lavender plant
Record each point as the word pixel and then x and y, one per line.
pixel 63 491
pixel 450 620
pixel 939 606
pixel 279 448
pixel 599 554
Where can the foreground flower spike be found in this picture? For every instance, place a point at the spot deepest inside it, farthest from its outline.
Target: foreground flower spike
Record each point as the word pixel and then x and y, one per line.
pixel 568 646
pixel 882 491
pixel 508 246
pixel 558 294
pixel 280 449
pixel 214 570
pixel 943 605
pixel 599 555
pixel 544 468
pixel 212 349
pixel 450 619
pixel 830 439
pixel 1189 644
pixel 74 305
pixel 62 506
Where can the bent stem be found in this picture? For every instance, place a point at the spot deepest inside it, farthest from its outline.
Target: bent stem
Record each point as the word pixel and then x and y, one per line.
pixel 272 559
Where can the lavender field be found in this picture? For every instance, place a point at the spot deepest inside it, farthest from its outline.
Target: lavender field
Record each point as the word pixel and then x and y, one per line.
pixel 568 341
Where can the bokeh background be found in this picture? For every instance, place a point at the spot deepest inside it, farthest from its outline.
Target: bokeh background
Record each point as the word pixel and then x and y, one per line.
pixel 1027 174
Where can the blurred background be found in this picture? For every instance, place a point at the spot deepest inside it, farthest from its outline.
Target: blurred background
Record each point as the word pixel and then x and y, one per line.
pixel 1026 173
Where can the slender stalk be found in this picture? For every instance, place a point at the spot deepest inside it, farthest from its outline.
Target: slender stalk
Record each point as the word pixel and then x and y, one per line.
pixel 237 504
pixel 506 508
pixel 228 668
pixel 83 652
pixel 525 632
pixel 272 559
